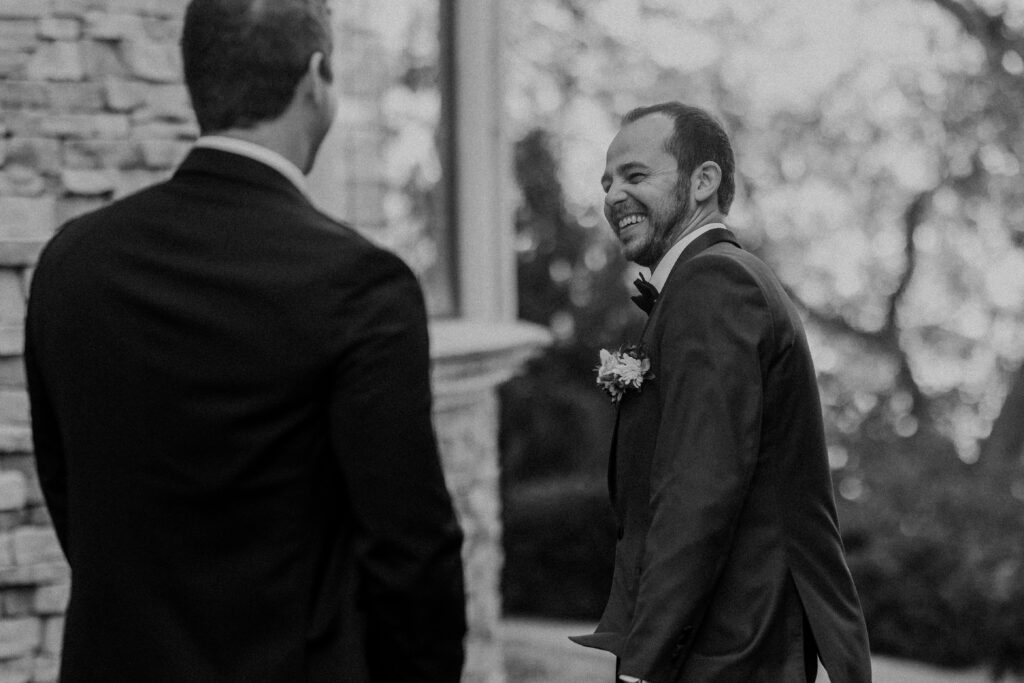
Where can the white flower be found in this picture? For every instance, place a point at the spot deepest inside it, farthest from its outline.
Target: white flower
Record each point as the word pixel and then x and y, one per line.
pixel 624 369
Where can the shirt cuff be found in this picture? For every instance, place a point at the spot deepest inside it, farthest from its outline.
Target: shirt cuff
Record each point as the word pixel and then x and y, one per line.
pixel 630 679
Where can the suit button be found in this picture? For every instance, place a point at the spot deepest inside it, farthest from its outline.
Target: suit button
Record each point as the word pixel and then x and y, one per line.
pixel 620 532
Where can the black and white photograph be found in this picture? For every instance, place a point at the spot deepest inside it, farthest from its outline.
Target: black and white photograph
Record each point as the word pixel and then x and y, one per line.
pixel 511 341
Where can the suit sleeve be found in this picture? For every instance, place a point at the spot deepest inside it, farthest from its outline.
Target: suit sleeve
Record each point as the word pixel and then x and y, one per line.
pixel 710 381
pixel 47 443
pixel 409 542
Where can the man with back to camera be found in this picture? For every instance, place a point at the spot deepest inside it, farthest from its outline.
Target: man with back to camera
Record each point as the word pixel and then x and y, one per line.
pixel 729 566
pixel 231 403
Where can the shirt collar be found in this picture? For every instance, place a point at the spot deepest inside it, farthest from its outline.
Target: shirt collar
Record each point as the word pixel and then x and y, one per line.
pixel 258 153
pixel 660 274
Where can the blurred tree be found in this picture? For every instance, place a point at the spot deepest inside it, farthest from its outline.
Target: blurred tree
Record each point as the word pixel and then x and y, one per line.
pixel 559 532
pixel 879 172
pixel 998 28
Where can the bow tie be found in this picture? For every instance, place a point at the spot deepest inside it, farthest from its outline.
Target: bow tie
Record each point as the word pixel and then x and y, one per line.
pixel 647 296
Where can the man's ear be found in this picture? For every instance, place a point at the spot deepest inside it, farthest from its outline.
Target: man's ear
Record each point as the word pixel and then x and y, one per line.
pixel 324 67
pixel 705 181
pixel 319 74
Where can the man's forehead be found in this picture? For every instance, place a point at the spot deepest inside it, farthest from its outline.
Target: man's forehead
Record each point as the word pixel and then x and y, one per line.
pixel 643 138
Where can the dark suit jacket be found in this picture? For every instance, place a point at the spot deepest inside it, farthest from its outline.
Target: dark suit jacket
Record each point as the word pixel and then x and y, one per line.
pixel 729 564
pixel 232 419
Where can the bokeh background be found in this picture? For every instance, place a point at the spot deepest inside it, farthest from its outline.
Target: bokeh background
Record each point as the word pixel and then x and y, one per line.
pixel 879 148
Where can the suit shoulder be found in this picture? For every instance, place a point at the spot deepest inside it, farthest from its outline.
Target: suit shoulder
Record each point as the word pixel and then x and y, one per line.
pixel 717 284
pixel 735 265
pixel 87 229
pixel 727 261
pixel 727 252
pixel 360 248
pixel 355 263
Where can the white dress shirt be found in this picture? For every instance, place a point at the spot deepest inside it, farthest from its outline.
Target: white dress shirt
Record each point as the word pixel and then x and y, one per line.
pixel 660 275
pixel 258 153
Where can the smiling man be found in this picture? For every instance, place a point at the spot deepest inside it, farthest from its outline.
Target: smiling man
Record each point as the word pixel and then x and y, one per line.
pixel 729 564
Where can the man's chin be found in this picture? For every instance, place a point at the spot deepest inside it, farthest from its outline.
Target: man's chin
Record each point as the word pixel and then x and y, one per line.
pixel 637 253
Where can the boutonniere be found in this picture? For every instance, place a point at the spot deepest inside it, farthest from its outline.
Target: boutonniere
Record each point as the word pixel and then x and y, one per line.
pixel 624 369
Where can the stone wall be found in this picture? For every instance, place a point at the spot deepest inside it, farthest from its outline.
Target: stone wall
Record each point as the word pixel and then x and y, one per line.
pixel 93 108
pixel 466 425
pixel 470 360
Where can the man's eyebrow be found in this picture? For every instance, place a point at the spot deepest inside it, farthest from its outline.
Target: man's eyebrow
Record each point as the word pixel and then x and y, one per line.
pixel 630 165
pixel 624 169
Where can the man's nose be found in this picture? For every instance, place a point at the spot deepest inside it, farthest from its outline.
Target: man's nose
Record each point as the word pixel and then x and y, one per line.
pixel 614 195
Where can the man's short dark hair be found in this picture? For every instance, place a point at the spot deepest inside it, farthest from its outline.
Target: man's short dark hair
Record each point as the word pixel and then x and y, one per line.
pixel 696 137
pixel 243 58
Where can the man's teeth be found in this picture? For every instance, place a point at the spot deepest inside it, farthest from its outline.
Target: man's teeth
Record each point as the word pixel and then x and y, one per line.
pixel 630 220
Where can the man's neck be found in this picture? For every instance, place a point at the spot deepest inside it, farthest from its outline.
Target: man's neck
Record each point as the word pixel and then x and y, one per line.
pixel 698 219
pixel 277 138
pixel 660 273
pixel 256 152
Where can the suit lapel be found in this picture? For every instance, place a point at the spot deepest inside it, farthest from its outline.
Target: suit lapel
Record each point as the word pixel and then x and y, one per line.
pixel 708 239
pixel 612 474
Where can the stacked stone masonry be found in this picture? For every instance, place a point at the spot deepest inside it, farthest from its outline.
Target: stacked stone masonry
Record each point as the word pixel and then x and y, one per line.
pixel 92 107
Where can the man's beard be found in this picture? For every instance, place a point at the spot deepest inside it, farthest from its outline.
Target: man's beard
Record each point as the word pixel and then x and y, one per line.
pixel 663 231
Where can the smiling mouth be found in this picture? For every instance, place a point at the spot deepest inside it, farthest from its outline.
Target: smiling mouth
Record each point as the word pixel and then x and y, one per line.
pixel 631 219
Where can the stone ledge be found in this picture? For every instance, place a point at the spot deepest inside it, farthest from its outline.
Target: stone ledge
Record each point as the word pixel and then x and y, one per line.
pixel 36 546
pixel 27 218
pixel 52 599
pixel 470 356
pixel 53 635
pixel 22 9
pixel 19 636
pixel 46 669
pixel 20 252
pixel 15 438
pixel 13 491
pixel 12 339
pixel 35 574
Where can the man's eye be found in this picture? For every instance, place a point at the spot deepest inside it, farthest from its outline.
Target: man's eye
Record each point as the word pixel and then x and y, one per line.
pixel 636 177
